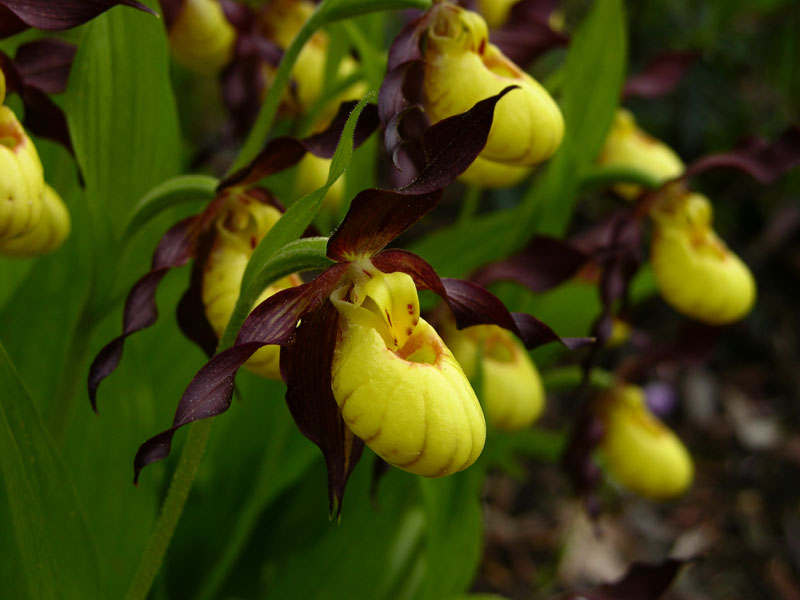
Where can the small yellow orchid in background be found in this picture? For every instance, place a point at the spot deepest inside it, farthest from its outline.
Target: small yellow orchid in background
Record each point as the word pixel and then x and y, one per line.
pixel 200 36
pixel 638 450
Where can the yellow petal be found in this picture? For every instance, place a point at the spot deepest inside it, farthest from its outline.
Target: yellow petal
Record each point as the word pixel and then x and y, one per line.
pixel 48 234
pixel 462 68
pixel 639 451
pixel 201 38
pixel 628 146
pixel 512 393
pixel 695 271
pixel 22 181
pixel 238 233
pixel 411 403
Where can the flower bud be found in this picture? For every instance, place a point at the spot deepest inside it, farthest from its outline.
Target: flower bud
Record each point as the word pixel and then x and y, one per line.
pixel 638 450
pixel 512 393
pixel 487 173
pixel 239 231
pixel 462 68
pixel 280 22
pixel 695 271
pixel 629 146
pixel 22 181
pixel 398 386
pixel 312 174
pixel 49 232
pixel 201 37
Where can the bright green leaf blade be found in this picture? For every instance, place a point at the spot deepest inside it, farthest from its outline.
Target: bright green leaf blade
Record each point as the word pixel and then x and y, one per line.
pixel 334 10
pixel 57 553
pixel 184 189
pixel 288 228
pixel 121 112
pixel 594 75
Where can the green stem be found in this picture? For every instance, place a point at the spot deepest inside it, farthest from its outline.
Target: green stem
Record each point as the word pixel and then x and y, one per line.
pixel 247 517
pixel 605 176
pixel 171 510
pixel 571 377
pixel 266 115
pixel 470 204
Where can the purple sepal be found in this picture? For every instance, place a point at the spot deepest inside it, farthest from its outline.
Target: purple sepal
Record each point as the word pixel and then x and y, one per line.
pixel 306 368
pixel 762 160
pixel 661 75
pixel 527 33
pixel 175 249
pixel 65 14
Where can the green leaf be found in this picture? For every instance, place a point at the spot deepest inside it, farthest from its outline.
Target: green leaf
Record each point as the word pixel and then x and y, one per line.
pixel 56 551
pixel 184 189
pixel 260 268
pixel 594 74
pixel 334 10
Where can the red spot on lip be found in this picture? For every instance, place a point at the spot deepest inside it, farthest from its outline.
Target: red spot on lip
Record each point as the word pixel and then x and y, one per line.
pixel 409 331
pixel 482 47
pixel 253 242
pixel 411 309
pixel 388 318
pixel 367 273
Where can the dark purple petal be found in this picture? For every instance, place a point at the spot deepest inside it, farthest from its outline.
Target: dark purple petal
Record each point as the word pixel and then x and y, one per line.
pixel 527 33
pixel 453 144
pixel 401 88
pixel 170 9
pixel 306 367
pixel 761 160
pixel 64 14
pixel 403 134
pixel 406 46
pixel 175 249
pixel 191 314
pixel 45 64
pixel 13 78
pixel 324 144
pixel 544 264
pixel 10 23
pixel 243 83
pixel 284 152
pixel 407 262
pixel 44 118
pixel 209 394
pixel 661 75
pixel 642 581
pixel 375 218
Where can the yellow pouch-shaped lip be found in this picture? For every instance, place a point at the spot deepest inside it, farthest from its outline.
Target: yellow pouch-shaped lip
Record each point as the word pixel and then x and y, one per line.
pixel 48 234
pixel 201 38
pixel 487 173
pixel 628 146
pixel 695 271
pixel 409 401
pixel 237 236
pixel 512 393
pixel 22 181
pixel 463 68
pixel 639 451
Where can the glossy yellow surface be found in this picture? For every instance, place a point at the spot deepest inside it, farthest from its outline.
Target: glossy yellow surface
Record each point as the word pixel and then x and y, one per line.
pixel 48 234
pixel 238 233
pixel 201 38
pixel 696 272
pixel 628 146
pixel 399 387
pixel 462 68
pixel 491 174
pixel 21 179
pixel 495 11
pixel 312 173
pixel 512 393
pixel 639 451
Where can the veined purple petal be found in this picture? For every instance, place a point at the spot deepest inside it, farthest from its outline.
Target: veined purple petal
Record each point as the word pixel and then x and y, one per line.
pixel 65 14
pixel 306 367
pixel 209 394
pixel 44 118
pixel 375 218
pixel 661 75
pixel 764 161
pixel 544 264
pixel 406 46
pixel 191 313
pixel 453 144
pixel 175 249
pixel 471 304
pixel 45 64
